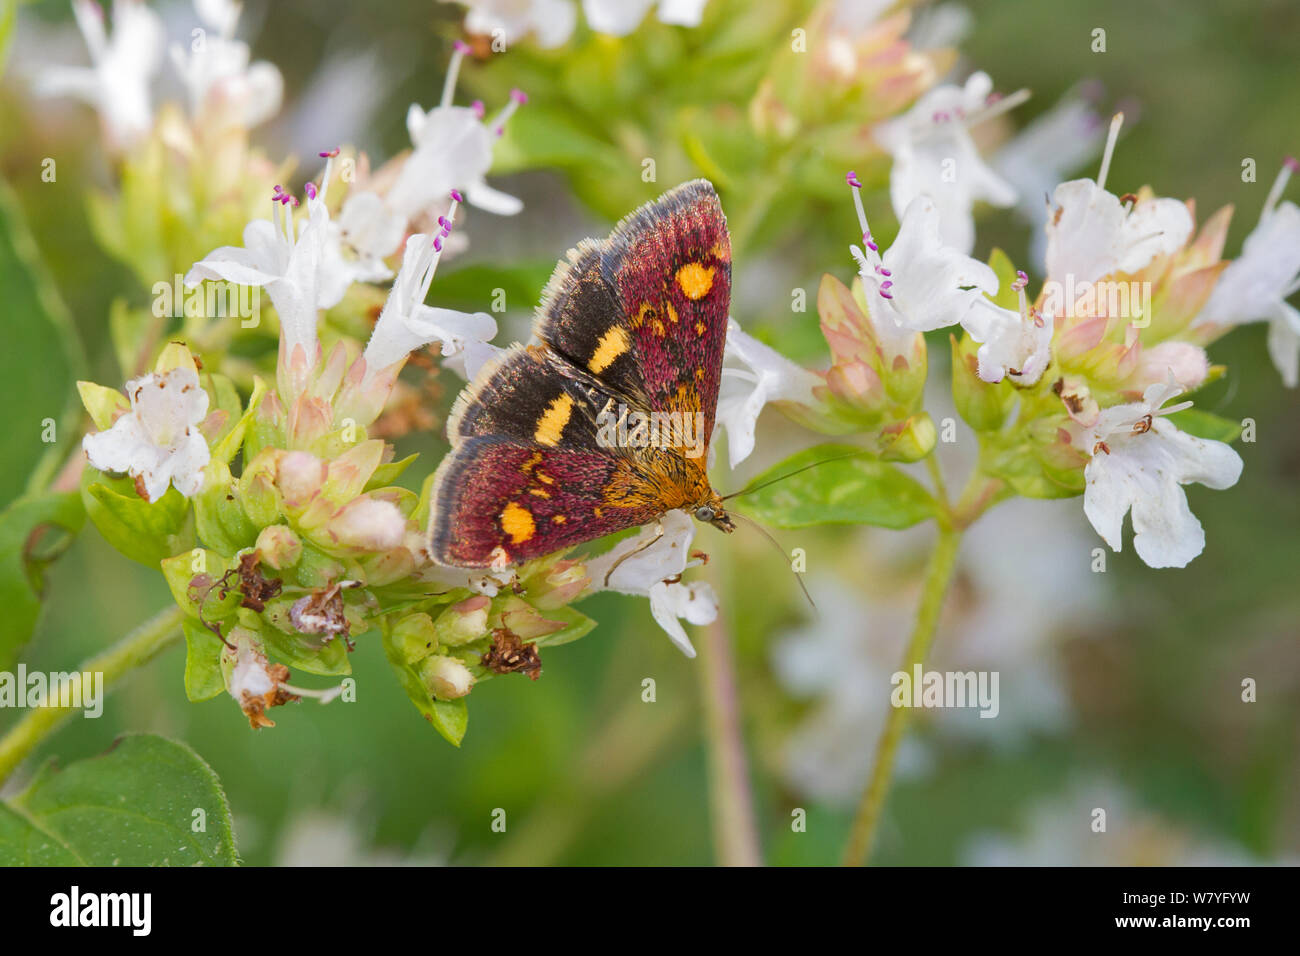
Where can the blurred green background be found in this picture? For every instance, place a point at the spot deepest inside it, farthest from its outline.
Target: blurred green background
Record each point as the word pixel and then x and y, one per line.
pixel 588 773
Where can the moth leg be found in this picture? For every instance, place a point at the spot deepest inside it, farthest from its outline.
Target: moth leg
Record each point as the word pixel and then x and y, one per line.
pixel 659 533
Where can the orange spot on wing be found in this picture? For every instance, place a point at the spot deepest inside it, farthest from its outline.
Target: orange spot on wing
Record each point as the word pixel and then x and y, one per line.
pixel 695 280
pixel 517 521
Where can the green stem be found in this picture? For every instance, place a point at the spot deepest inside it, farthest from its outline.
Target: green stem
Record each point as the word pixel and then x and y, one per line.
pixel 937 578
pixel 136 649
pixel 735 833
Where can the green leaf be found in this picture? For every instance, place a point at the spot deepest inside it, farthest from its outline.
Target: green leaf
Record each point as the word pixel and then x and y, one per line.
pixel 203 675
pixel 148 801
pixel 385 475
pixel 1206 425
pixel 144 531
pixel 26 547
pixel 23 843
pixel 41 360
pixel 855 490
pixel 577 625
pixel 449 717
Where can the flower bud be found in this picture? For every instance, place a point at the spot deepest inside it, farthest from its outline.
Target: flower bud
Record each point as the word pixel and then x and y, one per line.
pixel 414 637
pixel 561 585
pixel 463 622
pixel 446 678
pixel 279 546
pixel 984 406
pixel 257 491
pixel 366 524
pixel 175 355
pixel 909 440
pixel 299 477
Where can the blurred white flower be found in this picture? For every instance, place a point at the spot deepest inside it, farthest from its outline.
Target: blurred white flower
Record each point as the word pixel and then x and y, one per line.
pixel 158 441
pixel 935 156
pixel 122 66
pixel 217 73
pixel 1022 584
pixel 920 283
pixel 452 149
pixel 758 374
pixel 650 564
pixel 1255 286
pixel 1091 233
pixel 1140 461
pixel 550 21
pixel 621 17
pixel 1059 831
pixel 317 838
pixel 1040 156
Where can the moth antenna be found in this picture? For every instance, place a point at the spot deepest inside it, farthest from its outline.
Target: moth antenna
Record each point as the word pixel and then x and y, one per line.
pixel 771 481
pixel 777 544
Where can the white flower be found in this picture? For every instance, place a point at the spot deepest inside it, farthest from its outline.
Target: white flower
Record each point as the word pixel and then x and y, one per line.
pixel 621 17
pixel 550 21
pixel 1090 233
pixel 758 374
pixel 1255 286
pixel 649 565
pixel 1140 461
pixel 406 323
pixel 1056 143
pixel 1018 344
pixel 301 266
pixel 452 151
pixel 158 442
pixel 116 83
pixel 935 156
pixel 921 283
pixel 217 74
pixel 250 676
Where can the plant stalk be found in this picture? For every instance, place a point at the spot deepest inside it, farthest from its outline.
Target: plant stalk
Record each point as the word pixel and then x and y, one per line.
pixel 136 649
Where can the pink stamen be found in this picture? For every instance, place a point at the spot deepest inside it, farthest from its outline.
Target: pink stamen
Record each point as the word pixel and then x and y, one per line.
pixel 519 96
pixel 852 180
pixel 437 243
pixel 1292 164
pixel 886 294
pixel 460 46
pixel 479 109
pixel 330 154
pixel 455 194
pixel 310 189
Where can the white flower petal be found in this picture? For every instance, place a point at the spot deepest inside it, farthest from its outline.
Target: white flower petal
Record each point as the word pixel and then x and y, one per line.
pixel 766 376
pixel 1092 234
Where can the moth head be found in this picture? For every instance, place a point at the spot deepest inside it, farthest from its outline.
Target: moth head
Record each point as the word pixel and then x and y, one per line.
pixel 712 512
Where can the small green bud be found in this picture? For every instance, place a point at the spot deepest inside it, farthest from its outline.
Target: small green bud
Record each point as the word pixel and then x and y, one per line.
pixel 463 622
pixel 909 440
pixel 279 546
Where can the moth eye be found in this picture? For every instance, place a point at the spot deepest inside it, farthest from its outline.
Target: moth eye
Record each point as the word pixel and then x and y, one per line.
pixel 704 513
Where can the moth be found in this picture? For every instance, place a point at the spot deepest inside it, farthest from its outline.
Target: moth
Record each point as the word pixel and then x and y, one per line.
pixel 604 424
